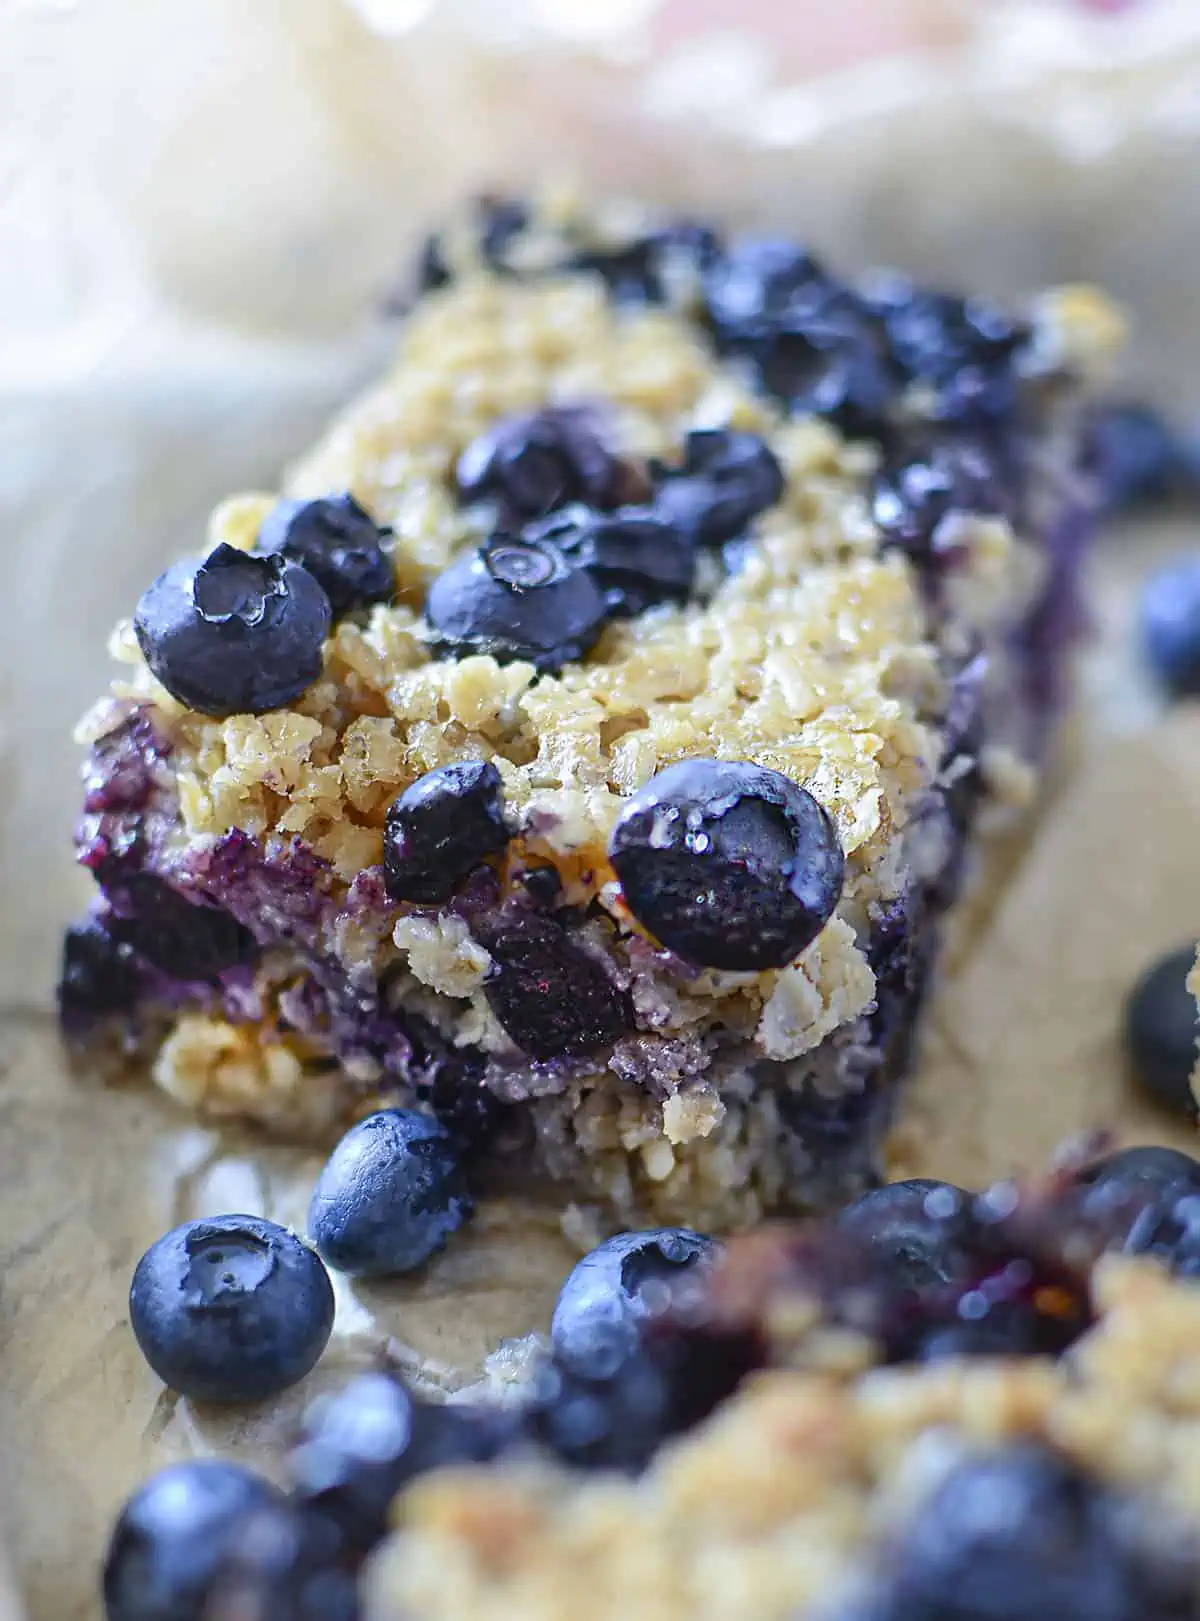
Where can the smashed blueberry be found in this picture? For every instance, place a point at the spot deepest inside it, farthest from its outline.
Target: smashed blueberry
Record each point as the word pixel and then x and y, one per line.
pixel 390 1195
pixel 924 1233
pixel 516 599
pixel 440 828
pixel 98 976
pixel 916 489
pixel 1161 1032
pixel 728 864
pixel 551 996
pixel 230 1309
pixel 1014 1534
pixel 534 464
pixel 234 633
pixel 178 1536
pixel 340 545
pixel 1170 625
pixel 637 556
pixel 628 1278
pixel 362 1445
pixel 1137 456
pixel 184 938
pixel 727 479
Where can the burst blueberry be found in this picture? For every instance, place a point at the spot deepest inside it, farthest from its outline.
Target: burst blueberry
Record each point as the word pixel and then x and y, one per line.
pixel 728 864
pixel 230 1309
pixel 516 599
pixel 533 464
pixel 234 633
pixel 758 281
pixel 1161 1032
pixel 551 996
pixel 966 350
pixel 727 480
pixel 638 556
pixel 188 939
pixel 621 1283
pixel 1170 625
pixel 340 545
pixel 390 1195
pixel 441 828
pixel 98 976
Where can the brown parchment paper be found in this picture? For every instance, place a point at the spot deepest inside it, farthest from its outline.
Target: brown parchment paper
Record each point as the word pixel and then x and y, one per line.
pixel 199 205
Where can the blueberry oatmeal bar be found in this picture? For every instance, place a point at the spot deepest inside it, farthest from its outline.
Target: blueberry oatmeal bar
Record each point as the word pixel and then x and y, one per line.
pixel 587 744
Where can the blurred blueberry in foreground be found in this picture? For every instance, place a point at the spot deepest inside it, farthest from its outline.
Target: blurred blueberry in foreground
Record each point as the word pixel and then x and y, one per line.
pixel 1170 625
pixel 1140 460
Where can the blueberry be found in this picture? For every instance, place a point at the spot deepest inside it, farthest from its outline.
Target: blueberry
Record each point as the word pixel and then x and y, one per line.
pixel 637 556
pixel 441 828
pixel 390 1195
pixel 758 280
pixel 728 864
pixel 534 464
pixel 834 363
pixel 924 1233
pixel 1170 625
pixel 362 1445
pixel 230 1309
pixel 1168 1229
pixel 177 1536
pixel 1161 1031
pixel 915 490
pixel 1016 1534
pixel 1137 456
pixel 597 1415
pixel 98 977
pixel 1123 1199
pixel 184 938
pixel 645 270
pixel 726 481
pixel 339 544
pixel 234 633
pixel 966 349
pixel 498 222
pixel 552 998
pixel 516 599
pixel 1144 1170
pixel 625 1280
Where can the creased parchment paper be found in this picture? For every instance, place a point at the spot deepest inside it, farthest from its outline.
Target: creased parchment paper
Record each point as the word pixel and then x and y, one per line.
pixel 199 207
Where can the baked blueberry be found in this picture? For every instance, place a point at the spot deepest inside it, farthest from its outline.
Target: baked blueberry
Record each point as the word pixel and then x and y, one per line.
pixel 649 268
pixel 535 463
pixel 390 1195
pixel 1161 1031
pixel 1170 625
pixel 628 1278
pixel 230 1309
pixel 440 828
pixel 728 864
pixel 178 1535
pixel 727 479
pixel 552 998
pixel 498 223
pixel 923 1233
pixel 917 488
pixel 234 633
pixel 98 976
pixel 758 281
pixel 340 545
pixel 516 599
pixel 832 361
pixel 363 1444
pixel 1013 1534
pixel 638 556
pixel 966 349
pixel 184 938
pixel 1138 458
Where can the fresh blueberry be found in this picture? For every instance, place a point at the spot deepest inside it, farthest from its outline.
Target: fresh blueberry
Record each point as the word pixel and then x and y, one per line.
pixel 728 864
pixel 915 490
pixel 1170 625
pixel 1137 456
pixel 340 545
pixel 726 481
pixel 536 463
pixel 360 1446
pixel 442 827
pixel 178 1536
pixel 516 599
pixel 184 938
pixel 1015 1534
pixel 595 1414
pixel 234 633
pixel 924 1233
pixel 1144 1170
pixel 631 1277
pixel 98 977
pixel 1123 1200
pixel 551 996
pixel 390 1195
pixel 230 1309
pixel 637 556
pixel 1161 1031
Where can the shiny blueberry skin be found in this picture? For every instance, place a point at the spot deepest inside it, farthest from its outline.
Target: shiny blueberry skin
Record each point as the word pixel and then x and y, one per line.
pixel 728 864
pixel 98 976
pixel 1170 625
pixel 178 1536
pixel 516 599
pixel 534 464
pixel 923 1232
pixel 1161 1032
pixel 916 489
pixel 1013 1534
pixel 441 828
pixel 1138 458
pixel 390 1195
pixel 637 556
pixel 184 938
pixel 628 1278
pixel 230 1309
pixel 1152 1170
pixel 727 479
pixel 363 1444
pixel 553 999
pixel 234 633
pixel 340 545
